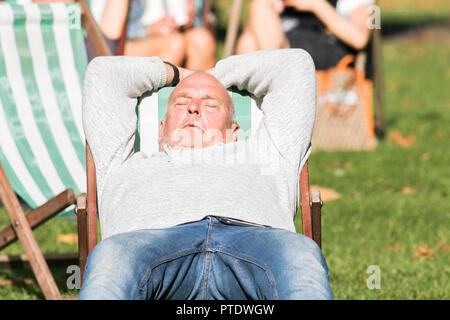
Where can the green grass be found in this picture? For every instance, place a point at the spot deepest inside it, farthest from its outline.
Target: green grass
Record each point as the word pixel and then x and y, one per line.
pixel 47 237
pixel 376 221
pixel 413 11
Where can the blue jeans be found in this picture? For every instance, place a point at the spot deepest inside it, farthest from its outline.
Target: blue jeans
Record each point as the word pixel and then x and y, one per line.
pixel 206 259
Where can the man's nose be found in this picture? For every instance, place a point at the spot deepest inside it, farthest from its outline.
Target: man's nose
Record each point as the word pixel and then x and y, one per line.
pixel 194 107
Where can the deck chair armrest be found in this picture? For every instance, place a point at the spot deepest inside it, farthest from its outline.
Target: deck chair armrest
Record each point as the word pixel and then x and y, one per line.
pixel 81 212
pixel 316 219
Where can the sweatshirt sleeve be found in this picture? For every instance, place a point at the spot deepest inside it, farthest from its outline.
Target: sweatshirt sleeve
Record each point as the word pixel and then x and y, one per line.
pixel 283 84
pixel 110 90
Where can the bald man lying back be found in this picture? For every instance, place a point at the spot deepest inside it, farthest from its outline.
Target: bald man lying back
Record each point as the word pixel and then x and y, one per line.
pixel 206 217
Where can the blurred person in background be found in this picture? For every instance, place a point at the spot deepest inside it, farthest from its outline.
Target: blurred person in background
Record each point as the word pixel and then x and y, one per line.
pixel 327 29
pixel 111 16
pixel 172 30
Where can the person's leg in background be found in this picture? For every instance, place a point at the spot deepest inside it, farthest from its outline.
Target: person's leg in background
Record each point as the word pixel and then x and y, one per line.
pixel 200 49
pixel 263 29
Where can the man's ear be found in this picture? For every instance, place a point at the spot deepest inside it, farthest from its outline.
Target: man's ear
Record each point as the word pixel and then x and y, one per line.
pixel 161 131
pixel 235 131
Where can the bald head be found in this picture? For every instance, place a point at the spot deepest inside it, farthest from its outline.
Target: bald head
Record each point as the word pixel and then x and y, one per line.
pixel 199 113
pixel 206 82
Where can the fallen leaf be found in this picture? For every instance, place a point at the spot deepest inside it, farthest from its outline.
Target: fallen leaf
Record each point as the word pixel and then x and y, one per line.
pixel 437 134
pixel 391 85
pixel 423 252
pixel 67 238
pixel 444 246
pixel 409 103
pixel 404 141
pixel 395 248
pixel 347 164
pixel 425 156
pixel 327 194
pixel 407 190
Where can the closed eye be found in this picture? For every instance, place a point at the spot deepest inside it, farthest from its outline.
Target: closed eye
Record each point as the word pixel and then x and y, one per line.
pixel 182 102
pixel 210 103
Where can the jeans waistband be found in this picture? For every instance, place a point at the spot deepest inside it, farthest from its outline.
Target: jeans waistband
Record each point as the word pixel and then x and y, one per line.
pixel 237 222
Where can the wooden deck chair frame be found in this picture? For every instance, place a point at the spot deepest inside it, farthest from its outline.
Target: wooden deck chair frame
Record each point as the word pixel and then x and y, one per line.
pixel 230 43
pixel 21 224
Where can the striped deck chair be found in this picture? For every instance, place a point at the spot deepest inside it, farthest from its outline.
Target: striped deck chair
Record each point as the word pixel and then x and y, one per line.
pixel 151 111
pixel 42 144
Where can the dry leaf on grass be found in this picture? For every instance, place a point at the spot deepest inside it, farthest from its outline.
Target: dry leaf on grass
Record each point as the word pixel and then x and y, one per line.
pixel 409 103
pixel 407 190
pixel 67 238
pixel 423 252
pixel 425 156
pixel 438 134
pixel 326 194
pixel 444 246
pixel 394 248
pixel 391 85
pixel 403 141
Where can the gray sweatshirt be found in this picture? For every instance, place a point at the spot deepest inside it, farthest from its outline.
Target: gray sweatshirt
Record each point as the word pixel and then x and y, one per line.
pixel 254 180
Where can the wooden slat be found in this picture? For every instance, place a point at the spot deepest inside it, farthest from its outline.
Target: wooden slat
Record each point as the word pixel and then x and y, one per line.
pixel 305 202
pixel 23 230
pixel 82 233
pixel 39 215
pixel 91 200
pixel 316 218
pixel 101 49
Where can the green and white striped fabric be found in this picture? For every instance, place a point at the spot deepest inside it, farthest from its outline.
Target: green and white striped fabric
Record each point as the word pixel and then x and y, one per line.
pixel 152 109
pixel 42 64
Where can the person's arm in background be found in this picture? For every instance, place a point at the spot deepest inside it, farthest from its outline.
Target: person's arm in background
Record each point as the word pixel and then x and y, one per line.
pixel 284 85
pixel 111 88
pixel 114 17
pixel 353 31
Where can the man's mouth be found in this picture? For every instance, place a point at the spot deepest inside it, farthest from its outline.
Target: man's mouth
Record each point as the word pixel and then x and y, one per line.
pixel 192 125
